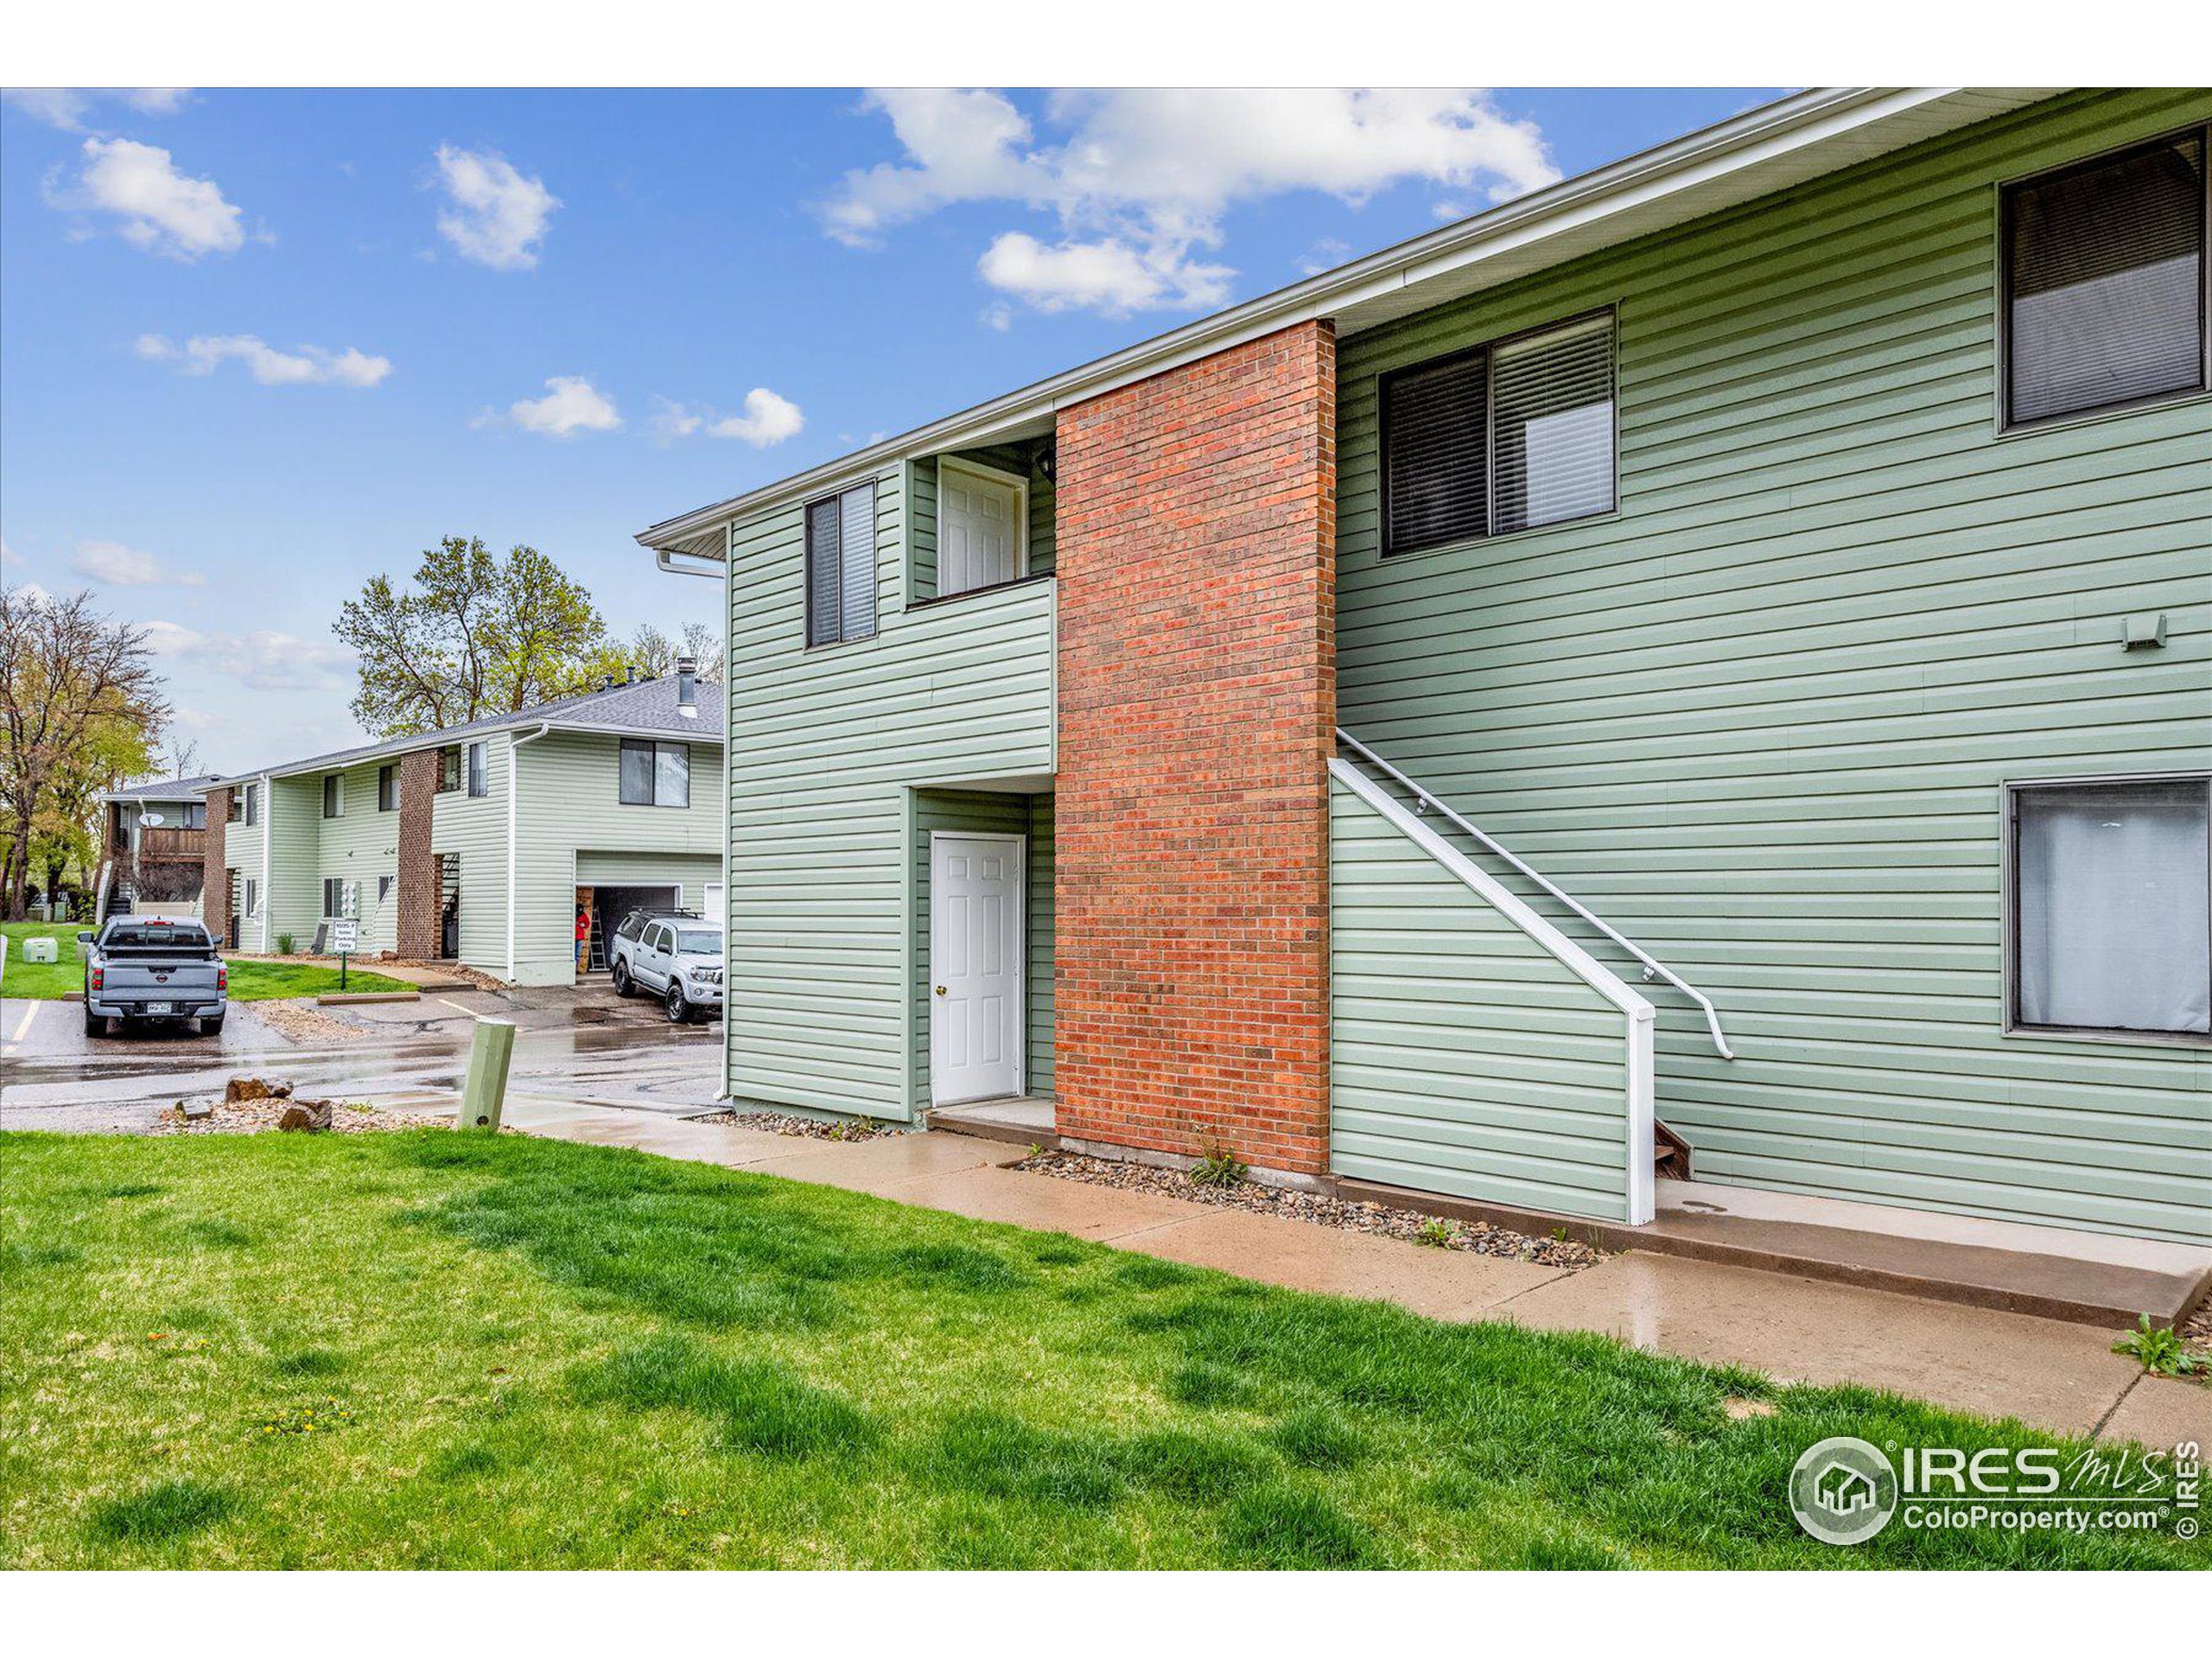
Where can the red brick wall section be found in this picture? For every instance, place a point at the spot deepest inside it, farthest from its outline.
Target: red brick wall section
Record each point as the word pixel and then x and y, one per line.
pixel 417 931
pixel 214 875
pixel 1196 568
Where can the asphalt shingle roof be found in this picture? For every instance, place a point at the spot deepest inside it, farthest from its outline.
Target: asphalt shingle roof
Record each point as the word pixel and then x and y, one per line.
pixel 169 789
pixel 648 706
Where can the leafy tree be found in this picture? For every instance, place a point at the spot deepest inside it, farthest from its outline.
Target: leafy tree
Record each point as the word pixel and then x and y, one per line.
pixel 654 653
pixel 470 635
pixel 80 703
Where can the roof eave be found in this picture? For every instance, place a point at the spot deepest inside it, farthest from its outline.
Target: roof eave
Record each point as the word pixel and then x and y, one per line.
pixel 1788 125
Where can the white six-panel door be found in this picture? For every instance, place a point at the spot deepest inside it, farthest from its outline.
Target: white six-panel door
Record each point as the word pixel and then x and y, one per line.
pixel 980 523
pixel 977 1022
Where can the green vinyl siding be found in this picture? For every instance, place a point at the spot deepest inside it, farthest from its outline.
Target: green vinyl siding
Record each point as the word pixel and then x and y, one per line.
pixel 691 873
pixel 569 817
pixel 1040 1064
pixel 475 830
pixel 242 852
pixel 1464 1057
pixel 294 901
pixel 1760 718
pixel 358 847
pixel 833 742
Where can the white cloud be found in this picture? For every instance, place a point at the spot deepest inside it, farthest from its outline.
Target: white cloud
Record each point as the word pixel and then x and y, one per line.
pixel 1108 275
pixel 66 107
pixel 571 404
pixel 263 660
pixel 495 215
pixel 1140 181
pixel 767 420
pixel 310 366
pixel 155 207
pixel 126 567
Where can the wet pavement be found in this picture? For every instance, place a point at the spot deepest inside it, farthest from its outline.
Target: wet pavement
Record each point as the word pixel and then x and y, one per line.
pixel 573 1046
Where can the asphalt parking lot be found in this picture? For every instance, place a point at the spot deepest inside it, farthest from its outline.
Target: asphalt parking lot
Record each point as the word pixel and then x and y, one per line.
pixel 577 1044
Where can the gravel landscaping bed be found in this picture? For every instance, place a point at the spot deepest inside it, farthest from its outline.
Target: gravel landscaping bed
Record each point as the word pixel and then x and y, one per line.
pixel 1479 1237
pixel 256 1117
pixel 303 1023
pixel 806 1129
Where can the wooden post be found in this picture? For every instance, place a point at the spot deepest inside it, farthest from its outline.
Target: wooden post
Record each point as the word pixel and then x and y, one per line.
pixel 485 1098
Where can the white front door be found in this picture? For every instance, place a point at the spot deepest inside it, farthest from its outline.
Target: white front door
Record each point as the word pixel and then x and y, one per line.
pixel 979 528
pixel 975 940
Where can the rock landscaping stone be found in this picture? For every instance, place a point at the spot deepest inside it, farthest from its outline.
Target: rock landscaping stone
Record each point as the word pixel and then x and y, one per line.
pixel 305 1115
pixel 808 1129
pixel 1479 1236
pixel 253 1116
pixel 240 1088
pixel 193 1111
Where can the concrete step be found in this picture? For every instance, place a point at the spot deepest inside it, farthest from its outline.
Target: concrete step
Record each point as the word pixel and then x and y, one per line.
pixel 2052 1272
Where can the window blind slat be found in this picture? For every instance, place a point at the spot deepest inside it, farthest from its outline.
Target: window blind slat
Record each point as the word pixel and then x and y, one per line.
pixel 1552 395
pixel 2105 269
pixel 823 587
pixel 1437 428
pixel 856 562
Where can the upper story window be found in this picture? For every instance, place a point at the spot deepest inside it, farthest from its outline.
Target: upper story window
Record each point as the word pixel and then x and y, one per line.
pixel 841 566
pixel 252 809
pixel 1508 436
pixel 333 796
pixel 655 774
pixel 195 814
pixel 2104 282
pixel 448 770
pixel 387 789
pixel 480 774
pixel 2112 910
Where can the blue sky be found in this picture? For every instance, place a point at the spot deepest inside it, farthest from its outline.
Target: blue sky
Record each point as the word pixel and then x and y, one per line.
pixel 256 347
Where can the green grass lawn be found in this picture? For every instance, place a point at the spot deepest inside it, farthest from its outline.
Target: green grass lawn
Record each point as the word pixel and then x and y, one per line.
pixel 251 982
pixel 429 1349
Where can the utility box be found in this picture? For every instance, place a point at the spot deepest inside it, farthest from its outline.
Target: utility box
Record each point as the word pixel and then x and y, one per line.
pixel 41 950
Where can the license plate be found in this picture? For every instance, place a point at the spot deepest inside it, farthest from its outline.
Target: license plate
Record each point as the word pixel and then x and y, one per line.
pixel 161 1007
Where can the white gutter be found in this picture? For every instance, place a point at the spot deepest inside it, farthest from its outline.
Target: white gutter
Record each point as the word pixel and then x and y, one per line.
pixel 514 798
pixel 1702 157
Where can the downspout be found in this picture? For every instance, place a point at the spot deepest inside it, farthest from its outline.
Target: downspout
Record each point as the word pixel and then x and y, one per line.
pixel 265 796
pixel 514 796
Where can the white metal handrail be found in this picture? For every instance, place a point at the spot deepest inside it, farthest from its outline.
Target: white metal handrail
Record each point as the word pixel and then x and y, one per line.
pixel 1653 968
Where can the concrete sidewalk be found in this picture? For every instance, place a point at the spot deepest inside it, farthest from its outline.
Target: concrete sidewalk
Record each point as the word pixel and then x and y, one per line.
pixel 2048 1373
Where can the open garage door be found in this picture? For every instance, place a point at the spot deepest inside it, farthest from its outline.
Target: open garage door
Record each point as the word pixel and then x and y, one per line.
pixel 608 905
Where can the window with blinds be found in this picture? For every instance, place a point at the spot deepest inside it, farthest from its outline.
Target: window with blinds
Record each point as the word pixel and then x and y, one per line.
pixel 2104 282
pixel 1512 435
pixel 841 567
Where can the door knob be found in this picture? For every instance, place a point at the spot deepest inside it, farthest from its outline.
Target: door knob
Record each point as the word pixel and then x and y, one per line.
pixel 940 990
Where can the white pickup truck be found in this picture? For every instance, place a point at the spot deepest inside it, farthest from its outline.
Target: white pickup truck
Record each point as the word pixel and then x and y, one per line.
pixel 153 968
pixel 673 955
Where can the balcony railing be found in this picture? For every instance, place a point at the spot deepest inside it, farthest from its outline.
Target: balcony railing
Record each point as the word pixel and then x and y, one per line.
pixel 172 844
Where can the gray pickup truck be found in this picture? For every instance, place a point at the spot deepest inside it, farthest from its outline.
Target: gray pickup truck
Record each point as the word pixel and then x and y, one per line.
pixel 151 968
